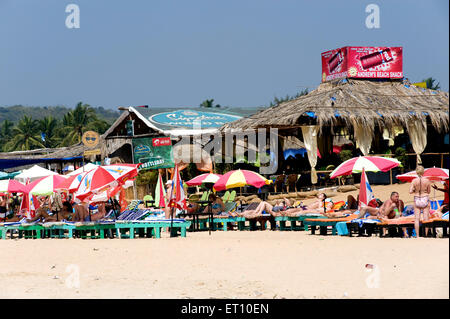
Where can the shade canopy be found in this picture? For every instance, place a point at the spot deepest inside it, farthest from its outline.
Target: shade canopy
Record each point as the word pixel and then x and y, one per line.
pixel 240 178
pixel 34 173
pixel 83 169
pixel 369 163
pixel 204 179
pixel 11 186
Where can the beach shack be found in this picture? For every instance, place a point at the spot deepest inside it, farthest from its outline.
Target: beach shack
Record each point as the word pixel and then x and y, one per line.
pixel 365 102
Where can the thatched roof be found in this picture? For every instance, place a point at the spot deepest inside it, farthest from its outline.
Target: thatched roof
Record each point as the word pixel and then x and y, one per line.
pixel 368 102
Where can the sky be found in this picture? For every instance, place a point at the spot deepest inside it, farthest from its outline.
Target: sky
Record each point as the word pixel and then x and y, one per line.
pixel 168 53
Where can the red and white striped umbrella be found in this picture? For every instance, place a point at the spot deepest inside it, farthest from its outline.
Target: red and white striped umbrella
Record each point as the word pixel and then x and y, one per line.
pixel 369 163
pixel 11 186
pixel 433 174
pixel 72 182
pixel 45 185
pixel 103 177
pixel 204 179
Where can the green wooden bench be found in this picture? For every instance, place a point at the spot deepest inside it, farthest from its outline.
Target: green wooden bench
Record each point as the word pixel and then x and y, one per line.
pixel 323 225
pixel 150 228
pixel 35 231
pixel 225 221
pixel 5 229
pixel 293 222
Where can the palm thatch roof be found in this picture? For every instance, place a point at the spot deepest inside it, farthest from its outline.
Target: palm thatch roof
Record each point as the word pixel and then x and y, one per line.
pixel 346 101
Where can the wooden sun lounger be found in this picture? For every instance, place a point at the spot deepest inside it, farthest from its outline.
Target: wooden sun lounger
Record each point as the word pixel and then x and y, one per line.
pixel 437 223
pixel 150 228
pixel 324 223
pixel 293 222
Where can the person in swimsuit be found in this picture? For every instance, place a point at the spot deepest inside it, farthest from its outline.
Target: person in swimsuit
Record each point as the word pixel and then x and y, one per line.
pixel 275 210
pixel 421 189
pixel 3 209
pixel 390 209
pixel 321 206
pixel 444 208
pixel 217 205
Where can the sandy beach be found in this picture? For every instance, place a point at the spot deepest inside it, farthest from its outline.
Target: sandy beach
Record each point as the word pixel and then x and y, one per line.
pixel 233 264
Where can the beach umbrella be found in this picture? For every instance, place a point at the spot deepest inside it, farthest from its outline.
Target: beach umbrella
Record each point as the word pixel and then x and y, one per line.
pixel 11 186
pixel 160 193
pixel 72 182
pixel 206 178
pixel 45 185
pixel 369 163
pixel 436 173
pixel 101 178
pixel 433 174
pixel 240 178
pixel 83 169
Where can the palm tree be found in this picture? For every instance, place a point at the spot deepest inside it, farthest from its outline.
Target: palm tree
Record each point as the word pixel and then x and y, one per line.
pixel 430 84
pixel 76 122
pixel 209 103
pixel 25 135
pixel 48 127
pixel 5 133
pixel 277 100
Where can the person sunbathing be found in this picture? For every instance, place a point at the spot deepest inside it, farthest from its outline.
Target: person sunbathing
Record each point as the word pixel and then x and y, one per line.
pixel 274 210
pixel 390 209
pixel 81 213
pixel 321 206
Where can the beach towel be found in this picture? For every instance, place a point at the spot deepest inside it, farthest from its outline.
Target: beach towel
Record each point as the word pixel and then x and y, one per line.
pixel 362 221
pixel 445 216
pixel 342 229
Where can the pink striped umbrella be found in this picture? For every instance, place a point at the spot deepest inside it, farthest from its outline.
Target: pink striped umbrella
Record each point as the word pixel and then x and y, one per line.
pixel 204 179
pixel 433 174
pixel 45 185
pixel 11 186
pixel 369 163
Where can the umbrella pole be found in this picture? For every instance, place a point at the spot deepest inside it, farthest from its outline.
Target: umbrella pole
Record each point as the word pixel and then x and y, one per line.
pixel 171 220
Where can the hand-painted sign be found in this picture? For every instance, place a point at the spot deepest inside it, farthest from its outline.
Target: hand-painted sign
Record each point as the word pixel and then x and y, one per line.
pixel 154 153
pixel 189 118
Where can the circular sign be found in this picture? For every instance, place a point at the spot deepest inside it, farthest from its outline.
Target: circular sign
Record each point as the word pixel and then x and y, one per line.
pixel 190 118
pixel 90 139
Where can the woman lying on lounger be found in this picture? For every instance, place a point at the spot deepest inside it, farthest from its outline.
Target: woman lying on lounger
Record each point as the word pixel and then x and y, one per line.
pixel 276 210
pixel 316 207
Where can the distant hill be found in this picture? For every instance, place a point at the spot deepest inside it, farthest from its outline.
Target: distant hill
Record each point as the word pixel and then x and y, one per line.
pixel 16 112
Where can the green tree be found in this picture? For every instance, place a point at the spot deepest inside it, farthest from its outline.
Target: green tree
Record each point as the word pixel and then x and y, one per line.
pixel 209 103
pixel 431 83
pixel 49 127
pixel 25 136
pixel 75 123
pixel 5 133
pixel 277 100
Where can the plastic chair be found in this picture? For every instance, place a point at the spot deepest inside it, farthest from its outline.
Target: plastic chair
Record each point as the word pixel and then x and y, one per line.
pixel 225 197
pixel 232 196
pixel 147 200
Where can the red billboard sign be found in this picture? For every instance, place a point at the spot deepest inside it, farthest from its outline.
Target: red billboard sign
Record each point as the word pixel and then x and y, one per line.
pixel 161 141
pixel 363 62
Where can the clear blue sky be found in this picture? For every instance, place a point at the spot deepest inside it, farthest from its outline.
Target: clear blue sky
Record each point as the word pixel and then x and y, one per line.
pixel 179 53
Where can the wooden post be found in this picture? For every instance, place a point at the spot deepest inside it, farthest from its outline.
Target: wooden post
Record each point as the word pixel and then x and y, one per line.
pixel 442 160
pixel 390 176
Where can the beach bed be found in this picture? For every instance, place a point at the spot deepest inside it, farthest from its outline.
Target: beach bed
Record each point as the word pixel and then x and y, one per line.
pixel 324 223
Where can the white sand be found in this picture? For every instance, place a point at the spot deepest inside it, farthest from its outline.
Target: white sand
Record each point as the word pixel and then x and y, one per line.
pixel 233 264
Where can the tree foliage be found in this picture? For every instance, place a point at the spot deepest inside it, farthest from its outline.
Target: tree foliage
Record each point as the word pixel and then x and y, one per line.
pixel 53 130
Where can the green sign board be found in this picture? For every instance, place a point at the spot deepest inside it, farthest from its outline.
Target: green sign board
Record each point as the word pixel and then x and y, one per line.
pixel 154 152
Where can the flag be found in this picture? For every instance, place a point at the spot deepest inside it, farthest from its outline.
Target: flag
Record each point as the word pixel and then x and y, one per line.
pixel 365 191
pixel 160 193
pixel 177 196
